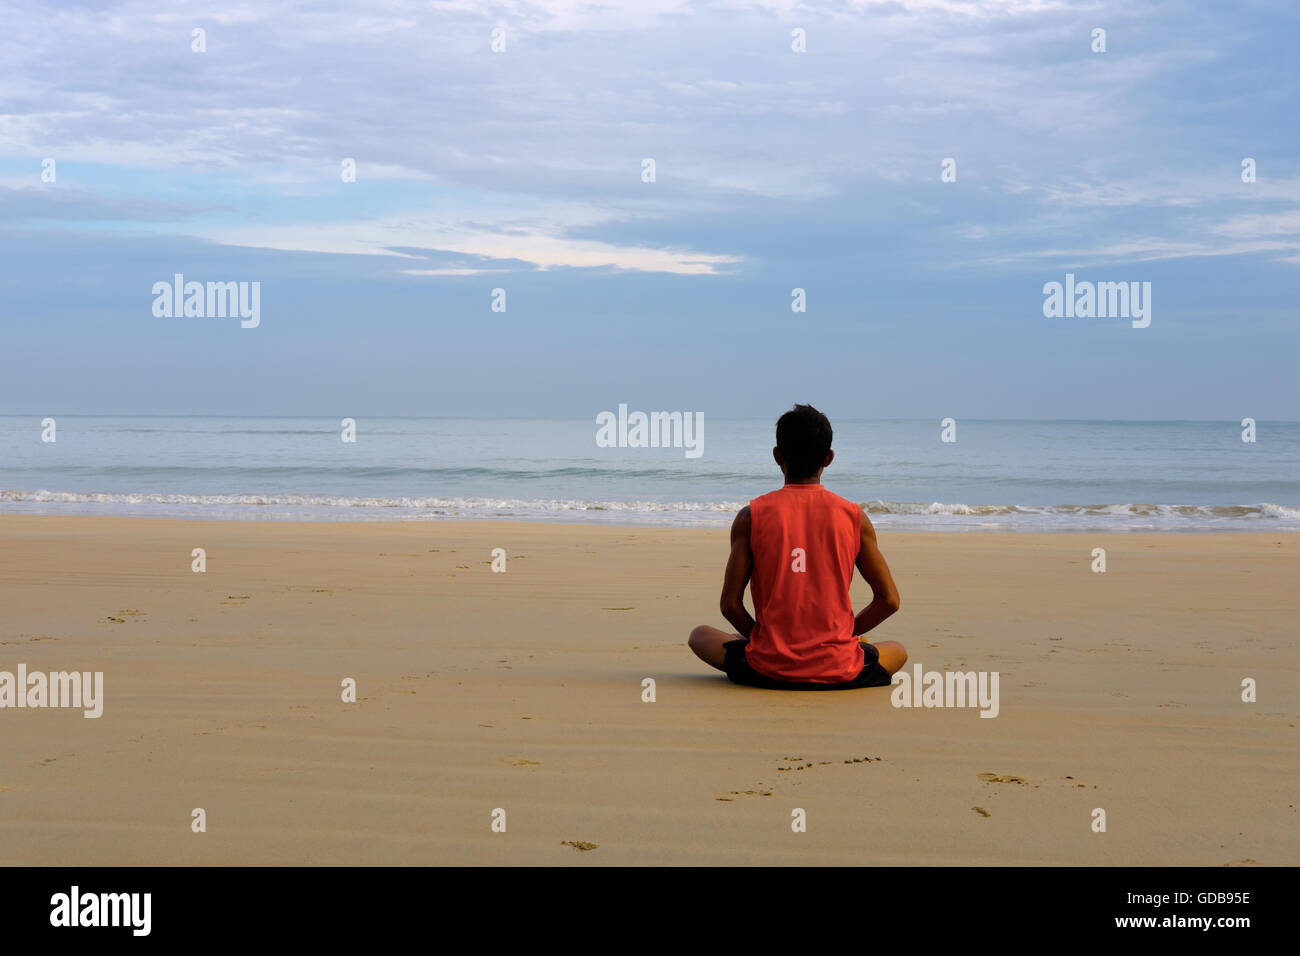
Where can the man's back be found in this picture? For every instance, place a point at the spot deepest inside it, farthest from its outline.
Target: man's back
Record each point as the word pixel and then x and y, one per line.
pixel 804 541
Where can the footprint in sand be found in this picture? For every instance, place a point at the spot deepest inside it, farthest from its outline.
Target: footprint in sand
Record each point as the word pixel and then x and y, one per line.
pixel 798 763
pixel 731 795
pixel 1003 778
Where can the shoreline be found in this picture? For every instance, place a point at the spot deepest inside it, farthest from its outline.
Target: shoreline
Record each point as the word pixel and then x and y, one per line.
pixel 890 523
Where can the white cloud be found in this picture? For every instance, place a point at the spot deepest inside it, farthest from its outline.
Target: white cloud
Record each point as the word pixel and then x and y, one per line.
pixel 539 247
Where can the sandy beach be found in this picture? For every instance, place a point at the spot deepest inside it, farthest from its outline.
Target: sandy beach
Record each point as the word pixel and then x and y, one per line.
pixel 523 691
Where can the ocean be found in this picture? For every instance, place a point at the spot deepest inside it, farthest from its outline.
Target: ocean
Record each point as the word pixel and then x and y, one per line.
pixel 997 475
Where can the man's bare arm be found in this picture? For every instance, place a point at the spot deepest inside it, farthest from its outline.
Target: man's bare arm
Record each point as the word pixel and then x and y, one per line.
pixel 740 565
pixel 872 566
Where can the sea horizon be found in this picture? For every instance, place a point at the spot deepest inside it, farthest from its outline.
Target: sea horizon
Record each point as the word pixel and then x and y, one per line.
pixel 993 474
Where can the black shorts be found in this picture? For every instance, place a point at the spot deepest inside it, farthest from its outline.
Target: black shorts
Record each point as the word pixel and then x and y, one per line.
pixel 738 669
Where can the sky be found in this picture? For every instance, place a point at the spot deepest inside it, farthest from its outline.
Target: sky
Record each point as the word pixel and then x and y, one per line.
pixel 523 168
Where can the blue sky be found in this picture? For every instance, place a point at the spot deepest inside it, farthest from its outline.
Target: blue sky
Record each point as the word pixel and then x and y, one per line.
pixel 774 170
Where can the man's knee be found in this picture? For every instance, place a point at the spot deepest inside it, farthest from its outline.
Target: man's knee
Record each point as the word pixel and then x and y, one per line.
pixel 893 655
pixel 701 640
pixel 708 643
pixel 697 637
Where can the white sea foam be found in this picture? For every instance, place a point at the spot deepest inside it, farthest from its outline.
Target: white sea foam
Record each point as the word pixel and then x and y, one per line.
pixel 901 515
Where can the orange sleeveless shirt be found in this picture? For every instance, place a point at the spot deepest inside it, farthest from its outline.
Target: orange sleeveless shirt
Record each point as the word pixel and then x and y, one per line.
pixel 805 543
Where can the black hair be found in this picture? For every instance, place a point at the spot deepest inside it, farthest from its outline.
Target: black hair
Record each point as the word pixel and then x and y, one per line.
pixel 803 436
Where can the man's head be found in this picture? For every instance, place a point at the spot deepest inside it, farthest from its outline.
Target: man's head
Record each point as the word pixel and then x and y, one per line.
pixel 803 444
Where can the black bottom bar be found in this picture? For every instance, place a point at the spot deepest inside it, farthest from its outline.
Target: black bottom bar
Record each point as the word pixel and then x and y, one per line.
pixel 976 906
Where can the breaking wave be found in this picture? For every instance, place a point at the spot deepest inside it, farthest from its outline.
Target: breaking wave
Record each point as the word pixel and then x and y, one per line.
pixel 900 515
